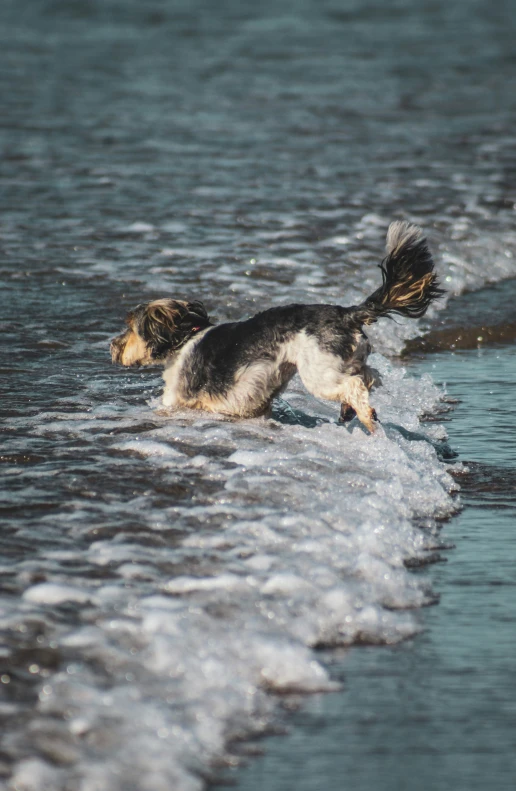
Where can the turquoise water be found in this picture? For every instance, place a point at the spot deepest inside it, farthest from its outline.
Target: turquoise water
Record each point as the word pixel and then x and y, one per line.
pixel 439 711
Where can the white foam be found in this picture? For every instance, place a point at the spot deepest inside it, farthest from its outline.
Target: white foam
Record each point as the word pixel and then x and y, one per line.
pixel 56 593
pixel 310 530
pixel 149 449
pixel 225 582
pixel 139 227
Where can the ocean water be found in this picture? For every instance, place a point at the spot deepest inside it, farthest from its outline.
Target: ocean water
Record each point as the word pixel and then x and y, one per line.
pixel 169 583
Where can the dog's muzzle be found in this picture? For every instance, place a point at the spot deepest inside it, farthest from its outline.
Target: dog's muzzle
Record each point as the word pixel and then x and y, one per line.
pixel 117 347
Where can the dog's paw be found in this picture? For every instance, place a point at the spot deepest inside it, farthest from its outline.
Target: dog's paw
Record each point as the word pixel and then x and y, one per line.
pixel 372 423
pixel 347 413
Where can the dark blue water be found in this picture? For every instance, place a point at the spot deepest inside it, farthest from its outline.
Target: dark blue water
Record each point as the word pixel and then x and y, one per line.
pixel 166 582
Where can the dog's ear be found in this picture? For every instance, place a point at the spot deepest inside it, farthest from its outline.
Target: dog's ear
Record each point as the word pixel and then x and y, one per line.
pixel 160 327
pixel 167 323
pixel 194 319
pixel 196 308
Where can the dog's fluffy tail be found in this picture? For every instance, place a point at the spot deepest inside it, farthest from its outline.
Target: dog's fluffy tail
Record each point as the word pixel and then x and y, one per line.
pixel 410 284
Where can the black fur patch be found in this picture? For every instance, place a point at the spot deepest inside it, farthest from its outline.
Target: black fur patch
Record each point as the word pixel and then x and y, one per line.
pixel 226 348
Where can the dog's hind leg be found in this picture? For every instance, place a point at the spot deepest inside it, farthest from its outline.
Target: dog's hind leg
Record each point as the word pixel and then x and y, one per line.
pixel 354 395
pixel 333 385
pixel 370 378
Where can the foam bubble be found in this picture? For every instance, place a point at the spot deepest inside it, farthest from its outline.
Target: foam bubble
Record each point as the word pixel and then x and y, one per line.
pixel 55 593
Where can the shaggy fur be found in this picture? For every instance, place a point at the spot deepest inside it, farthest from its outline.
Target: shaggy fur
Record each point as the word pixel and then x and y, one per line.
pixel 238 368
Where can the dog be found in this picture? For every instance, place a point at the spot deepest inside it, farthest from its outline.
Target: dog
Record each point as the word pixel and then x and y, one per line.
pixel 238 368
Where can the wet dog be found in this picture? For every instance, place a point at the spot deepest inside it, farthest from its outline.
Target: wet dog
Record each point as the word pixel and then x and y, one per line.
pixel 238 368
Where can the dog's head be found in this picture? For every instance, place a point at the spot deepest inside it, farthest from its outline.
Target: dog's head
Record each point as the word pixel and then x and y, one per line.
pixel 156 330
